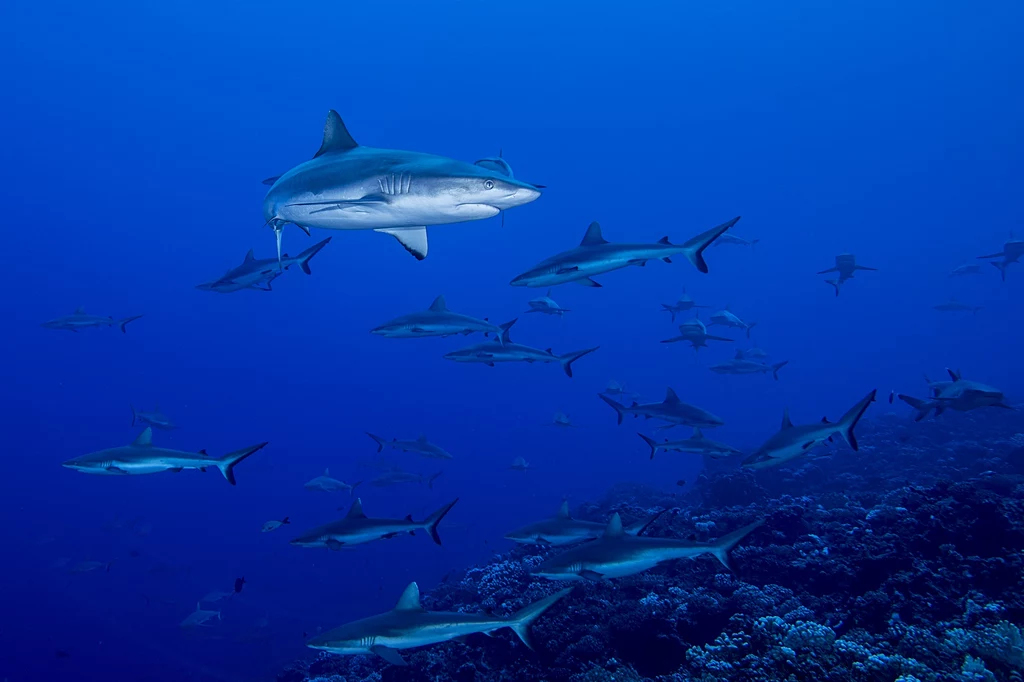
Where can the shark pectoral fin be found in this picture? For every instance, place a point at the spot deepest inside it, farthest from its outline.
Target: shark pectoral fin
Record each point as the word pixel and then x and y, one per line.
pixel 334 545
pixel 566 271
pixel 667 259
pixel 175 470
pixel 593 576
pixel 639 261
pixel 489 364
pixel 588 282
pixel 116 470
pixel 390 655
pixel 808 445
pixel 414 239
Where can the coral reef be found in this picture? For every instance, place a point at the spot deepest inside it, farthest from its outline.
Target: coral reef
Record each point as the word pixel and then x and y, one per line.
pixel 903 561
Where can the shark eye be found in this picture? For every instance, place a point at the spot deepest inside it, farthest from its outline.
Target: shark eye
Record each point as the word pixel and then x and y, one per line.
pixel 488 184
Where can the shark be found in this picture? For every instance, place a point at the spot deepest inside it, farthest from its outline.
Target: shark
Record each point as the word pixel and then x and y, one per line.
pixel 437 320
pixel 671 410
pixel 684 304
pixel 730 238
pixel 154 418
pixel 327 484
pixel 696 333
pixel 199 617
pixel 967 269
pixel 795 441
pixel 957 394
pixel 357 529
pixel 614 389
pixel 955 306
pixel 83 320
pixel 846 266
pixel 409 625
pixel 259 273
pixel 421 446
pixel 741 365
pixel 596 256
pixel 396 476
pixel 754 352
pixel 142 457
pixel 519 464
pixel 503 350
pixel 563 529
pixel 616 554
pixel 348 186
pixel 546 305
pixel 561 419
pixel 1012 251
pixel 726 318
pixel 697 444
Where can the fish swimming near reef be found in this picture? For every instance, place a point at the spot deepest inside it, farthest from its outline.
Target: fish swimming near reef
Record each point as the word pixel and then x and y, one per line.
pixel 326 483
pixel 546 306
pixel 696 333
pixel 741 365
pixel 348 186
pixel 420 446
pixel 563 529
pixel 409 625
pixel 726 318
pixel 957 394
pixel 437 320
pixel 142 457
pixel 504 350
pixel 671 409
pixel 259 273
pixel 697 444
pixel 200 618
pixel 82 320
pixel 685 302
pixel 357 529
pixel 397 476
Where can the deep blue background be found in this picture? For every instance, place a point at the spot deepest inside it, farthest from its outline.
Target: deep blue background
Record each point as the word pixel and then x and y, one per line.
pixel 135 137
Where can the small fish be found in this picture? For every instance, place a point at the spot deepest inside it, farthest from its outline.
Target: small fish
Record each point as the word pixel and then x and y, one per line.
pixel 274 525
pixel 681 482
pixel 239 583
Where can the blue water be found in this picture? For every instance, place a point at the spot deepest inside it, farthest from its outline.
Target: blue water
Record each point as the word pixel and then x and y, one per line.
pixel 136 136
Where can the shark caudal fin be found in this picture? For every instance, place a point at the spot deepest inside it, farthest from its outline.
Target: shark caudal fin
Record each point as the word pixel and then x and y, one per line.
pixel 846 425
pixel 227 463
pixel 430 481
pixel 651 443
pixel 378 440
pixel 352 490
pixel 777 367
pixel 134 415
pixel 124 323
pixel 1001 267
pixel 721 547
pixel 504 337
pixel 570 358
pixel 923 407
pixel 618 407
pixel 430 523
pixel 303 258
pixel 521 621
pixel 834 283
pixel 694 248
pixel 749 327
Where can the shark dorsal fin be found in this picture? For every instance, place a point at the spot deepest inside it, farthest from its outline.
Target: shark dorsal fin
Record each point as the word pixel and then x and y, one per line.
pixel 145 438
pixel 356 510
pixel 614 528
pixel 955 376
pixel 563 511
pixel 593 237
pixel 670 396
pixel 422 440
pixel 336 136
pixel 80 310
pixel 199 606
pixel 697 433
pixel 438 306
pixel 787 423
pixel 327 472
pixel 249 257
pixel 410 599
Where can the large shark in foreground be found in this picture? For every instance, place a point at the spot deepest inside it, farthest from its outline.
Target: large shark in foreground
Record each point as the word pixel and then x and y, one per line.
pixel 671 409
pixel 794 441
pixel 142 457
pixel 357 529
pixel 958 394
pixel 616 554
pixel 437 320
pixel 503 350
pixel 83 320
pixel 409 625
pixel 346 186
pixel 421 446
pixel 563 529
pixel 259 273
pixel 596 256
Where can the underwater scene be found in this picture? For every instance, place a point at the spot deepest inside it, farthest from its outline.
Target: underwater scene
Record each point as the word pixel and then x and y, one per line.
pixel 538 341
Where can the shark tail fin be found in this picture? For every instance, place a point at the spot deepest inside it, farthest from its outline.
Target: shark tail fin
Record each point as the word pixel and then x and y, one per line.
pixel 352 490
pixel 430 523
pixel 721 547
pixel 430 481
pixel 923 407
pixel 227 463
pixel 122 324
pixel 670 310
pixel 834 283
pixel 570 358
pixel 695 247
pixel 749 327
pixel 653 444
pixel 521 621
pixel 1001 267
pixel 378 440
pixel 618 407
pixel 133 414
pixel 307 255
pixel 850 419
pixel 777 367
pixel 504 337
